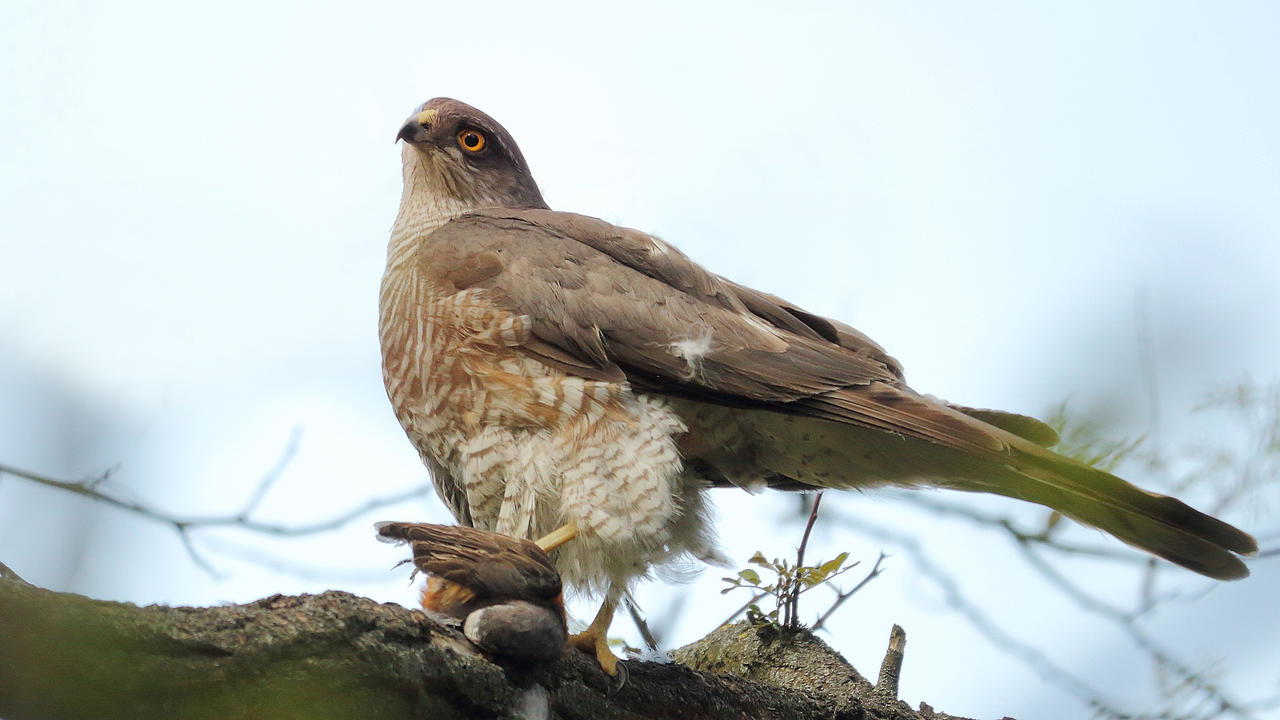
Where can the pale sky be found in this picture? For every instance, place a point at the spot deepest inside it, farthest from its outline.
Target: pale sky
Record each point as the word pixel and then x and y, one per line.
pixel 194 206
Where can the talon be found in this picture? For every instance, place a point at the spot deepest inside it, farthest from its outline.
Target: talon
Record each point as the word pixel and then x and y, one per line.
pixel 595 639
pixel 594 642
pixel 624 674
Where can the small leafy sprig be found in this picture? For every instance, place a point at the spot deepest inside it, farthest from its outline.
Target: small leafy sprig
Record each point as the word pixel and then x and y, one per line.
pixel 789 582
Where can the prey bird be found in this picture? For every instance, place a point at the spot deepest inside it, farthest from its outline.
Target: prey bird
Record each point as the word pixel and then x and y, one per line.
pixel 559 373
pixel 504 589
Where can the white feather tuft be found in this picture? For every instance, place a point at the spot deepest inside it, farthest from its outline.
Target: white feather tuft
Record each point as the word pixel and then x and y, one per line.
pixel 661 657
pixel 693 351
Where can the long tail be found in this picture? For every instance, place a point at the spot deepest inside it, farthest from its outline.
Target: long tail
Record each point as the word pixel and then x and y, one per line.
pixel 1159 524
pixel 960 451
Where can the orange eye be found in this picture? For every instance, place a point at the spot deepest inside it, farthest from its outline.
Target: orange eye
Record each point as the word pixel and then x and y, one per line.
pixel 471 140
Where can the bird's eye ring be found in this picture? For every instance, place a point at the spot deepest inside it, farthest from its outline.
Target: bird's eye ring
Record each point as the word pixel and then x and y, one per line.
pixel 472 141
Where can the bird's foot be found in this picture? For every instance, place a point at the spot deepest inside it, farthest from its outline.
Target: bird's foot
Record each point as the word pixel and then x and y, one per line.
pixel 594 642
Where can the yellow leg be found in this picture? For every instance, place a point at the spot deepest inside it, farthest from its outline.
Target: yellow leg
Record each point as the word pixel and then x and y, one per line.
pixel 558 537
pixel 595 639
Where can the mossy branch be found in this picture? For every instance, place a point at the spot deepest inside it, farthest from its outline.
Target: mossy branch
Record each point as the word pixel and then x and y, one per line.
pixel 335 655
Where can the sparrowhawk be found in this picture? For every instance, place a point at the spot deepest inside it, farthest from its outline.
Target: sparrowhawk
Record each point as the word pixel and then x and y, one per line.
pixel 557 371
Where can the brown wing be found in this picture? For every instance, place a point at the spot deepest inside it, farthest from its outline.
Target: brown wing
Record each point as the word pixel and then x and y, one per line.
pixel 609 303
pixel 490 565
pixel 639 310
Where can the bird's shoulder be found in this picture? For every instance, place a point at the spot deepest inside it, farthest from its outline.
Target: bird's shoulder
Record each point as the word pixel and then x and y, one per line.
pixel 480 244
pixel 599 296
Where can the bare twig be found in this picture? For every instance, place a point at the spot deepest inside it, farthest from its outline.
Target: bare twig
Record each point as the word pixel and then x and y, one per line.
pixel 269 479
pixel 754 599
pixel 1163 658
pixel 241 518
pixel 1007 524
pixel 1236 473
pixel 646 634
pixel 957 601
pixel 791 615
pixel 1217 702
pixel 304 566
pixel 841 596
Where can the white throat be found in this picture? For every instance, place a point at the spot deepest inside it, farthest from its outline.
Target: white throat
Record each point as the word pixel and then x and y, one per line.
pixel 425 204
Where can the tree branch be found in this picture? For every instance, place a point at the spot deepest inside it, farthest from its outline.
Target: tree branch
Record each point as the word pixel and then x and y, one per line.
pixel 335 655
pixel 241 518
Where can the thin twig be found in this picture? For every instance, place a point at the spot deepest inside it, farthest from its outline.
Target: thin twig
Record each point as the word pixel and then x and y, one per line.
pixel 236 519
pixel 792 613
pixel 1008 525
pixel 323 571
pixel 950 588
pixel 269 479
pixel 196 557
pixel 239 519
pixel 754 599
pixel 845 595
pixel 1034 658
pixel 645 633
pixel 669 616
pixel 1161 656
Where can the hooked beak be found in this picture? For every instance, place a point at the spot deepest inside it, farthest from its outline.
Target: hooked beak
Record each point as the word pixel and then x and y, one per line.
pixel 415 129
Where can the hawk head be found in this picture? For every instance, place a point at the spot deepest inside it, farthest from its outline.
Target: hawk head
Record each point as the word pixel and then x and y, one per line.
pixel 465 158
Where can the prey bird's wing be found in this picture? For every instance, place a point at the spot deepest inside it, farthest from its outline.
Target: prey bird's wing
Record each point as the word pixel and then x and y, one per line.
pixel 489 564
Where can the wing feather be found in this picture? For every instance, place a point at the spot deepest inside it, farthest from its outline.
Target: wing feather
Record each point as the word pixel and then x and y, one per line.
pixel 490 565
pixel 606 302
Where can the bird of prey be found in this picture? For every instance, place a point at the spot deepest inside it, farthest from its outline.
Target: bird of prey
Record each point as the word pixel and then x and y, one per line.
pixel 504 589
pixel 557 372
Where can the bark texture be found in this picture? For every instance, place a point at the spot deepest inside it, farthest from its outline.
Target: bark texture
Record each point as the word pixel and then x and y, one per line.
pixel 336 655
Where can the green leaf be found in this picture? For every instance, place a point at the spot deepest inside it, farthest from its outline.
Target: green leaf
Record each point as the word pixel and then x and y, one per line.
pixel 750 576
pixel 758 559
pixel 833 565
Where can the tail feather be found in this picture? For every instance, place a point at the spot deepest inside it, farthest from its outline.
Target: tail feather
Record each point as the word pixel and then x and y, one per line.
pixel 1159 524
pixel 845 456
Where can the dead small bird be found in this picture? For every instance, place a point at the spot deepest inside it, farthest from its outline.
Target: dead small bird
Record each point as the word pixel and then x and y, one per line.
pixel 505 590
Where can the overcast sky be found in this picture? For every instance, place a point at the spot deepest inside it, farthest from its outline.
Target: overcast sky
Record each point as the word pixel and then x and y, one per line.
pixel 1022 203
